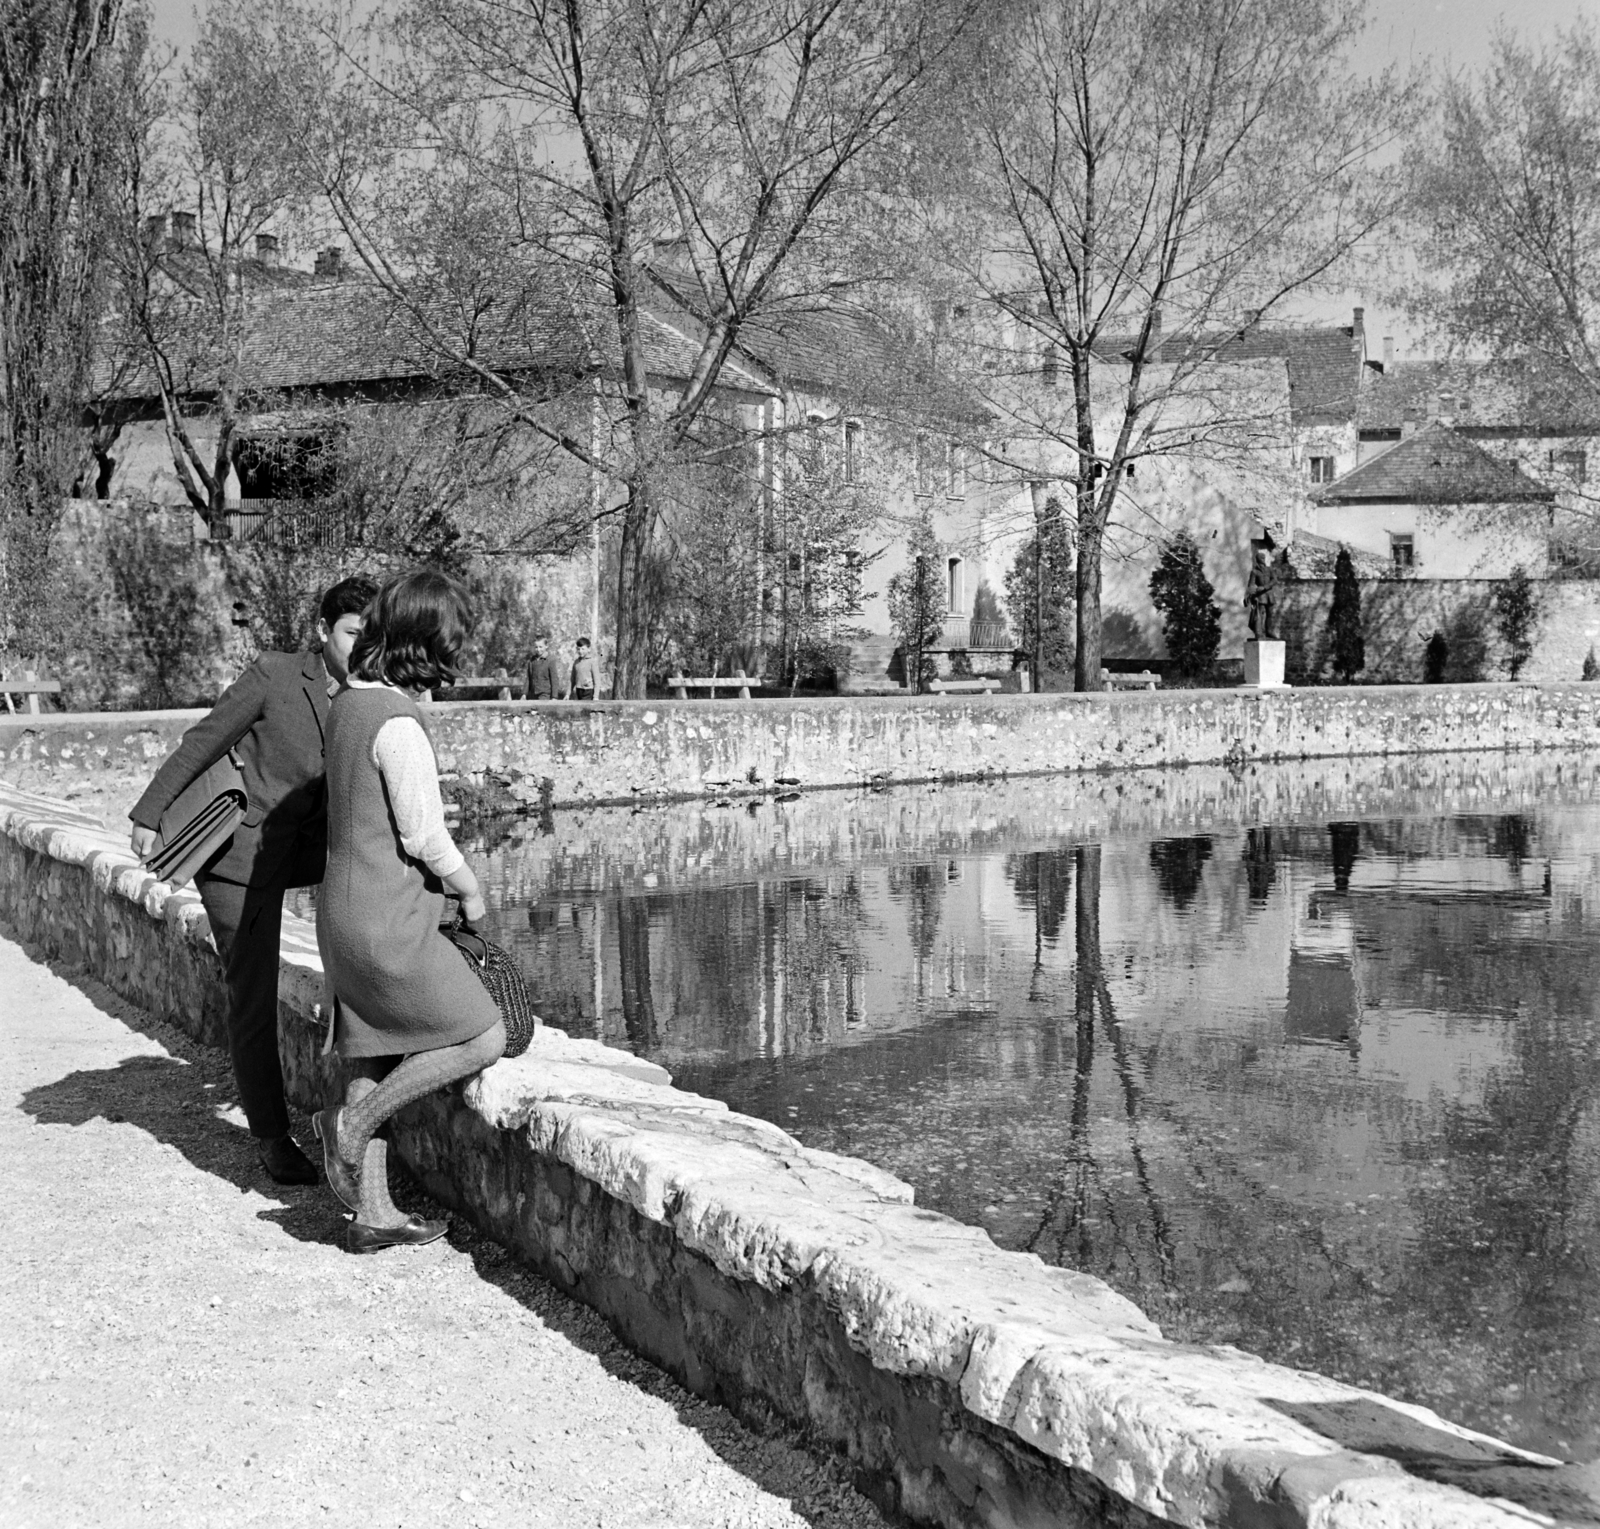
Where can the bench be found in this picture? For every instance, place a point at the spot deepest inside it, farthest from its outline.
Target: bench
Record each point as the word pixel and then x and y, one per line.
pixel 1145 679
pixel 30 687
pixel 738 680
pixel 509 689
pixel 964 687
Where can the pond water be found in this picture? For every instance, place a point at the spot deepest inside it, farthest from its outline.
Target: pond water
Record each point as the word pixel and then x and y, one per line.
pixel 1305 1060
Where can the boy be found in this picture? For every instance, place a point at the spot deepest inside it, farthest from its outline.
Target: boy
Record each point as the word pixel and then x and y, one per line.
pixel 273 715
pixel 583 673
pixel 542 682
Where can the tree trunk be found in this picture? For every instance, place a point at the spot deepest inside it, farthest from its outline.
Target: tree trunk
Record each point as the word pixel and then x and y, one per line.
pixel 1086 664
pixel 630 672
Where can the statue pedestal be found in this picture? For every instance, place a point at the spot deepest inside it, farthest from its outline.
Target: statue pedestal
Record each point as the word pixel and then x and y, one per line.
pixel 1263 665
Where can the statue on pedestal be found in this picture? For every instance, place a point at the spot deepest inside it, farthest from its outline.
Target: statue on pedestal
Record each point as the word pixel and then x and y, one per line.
pixel 1261 592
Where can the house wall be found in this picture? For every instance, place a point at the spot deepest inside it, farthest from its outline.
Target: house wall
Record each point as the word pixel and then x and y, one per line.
pixel 1451 541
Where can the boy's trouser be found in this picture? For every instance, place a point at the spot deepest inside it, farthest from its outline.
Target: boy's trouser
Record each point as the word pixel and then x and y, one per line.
pixel 246 923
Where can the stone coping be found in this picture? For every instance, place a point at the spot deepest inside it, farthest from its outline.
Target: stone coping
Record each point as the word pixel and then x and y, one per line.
pixel 539 755
pixel 1063 1372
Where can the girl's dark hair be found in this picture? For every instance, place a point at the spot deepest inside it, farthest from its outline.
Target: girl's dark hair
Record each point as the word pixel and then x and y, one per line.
pixel 414 632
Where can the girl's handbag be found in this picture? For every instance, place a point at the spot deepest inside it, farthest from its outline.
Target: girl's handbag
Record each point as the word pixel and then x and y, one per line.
pixel 498 971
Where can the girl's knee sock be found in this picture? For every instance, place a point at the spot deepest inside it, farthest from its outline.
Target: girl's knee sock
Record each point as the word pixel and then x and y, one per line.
pixel 418 1074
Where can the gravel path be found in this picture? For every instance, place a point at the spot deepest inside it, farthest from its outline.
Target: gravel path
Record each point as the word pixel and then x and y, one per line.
pixel 186 1343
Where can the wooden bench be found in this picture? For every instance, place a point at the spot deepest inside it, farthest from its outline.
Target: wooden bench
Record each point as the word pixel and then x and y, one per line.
pixel 29 686
pixel 964 687
pixel 1145 679
pixel 738 680
pixel 508 688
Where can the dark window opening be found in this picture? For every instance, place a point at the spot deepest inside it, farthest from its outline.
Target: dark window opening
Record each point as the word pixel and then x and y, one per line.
pixel 285 467
pixel 1322 469
pixel 1403 551
pixel 1573 464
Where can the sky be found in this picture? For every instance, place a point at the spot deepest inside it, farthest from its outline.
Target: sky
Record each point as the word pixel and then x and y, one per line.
pixel 1455 33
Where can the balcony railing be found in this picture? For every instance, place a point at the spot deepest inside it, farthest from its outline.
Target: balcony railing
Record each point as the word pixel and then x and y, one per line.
pixel 962 632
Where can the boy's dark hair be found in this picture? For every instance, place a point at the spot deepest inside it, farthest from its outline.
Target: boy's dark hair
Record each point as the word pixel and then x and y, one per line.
pixel 349 597
pixel 414 632
pixel 583 642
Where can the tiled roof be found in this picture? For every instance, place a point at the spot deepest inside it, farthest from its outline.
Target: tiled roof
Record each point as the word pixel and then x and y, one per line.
pixel 1437 465
pixel 1489 395
pixel 333 333
pixel 1321 362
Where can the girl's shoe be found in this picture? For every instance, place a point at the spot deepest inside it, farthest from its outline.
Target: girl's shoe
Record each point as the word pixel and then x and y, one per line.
pixel 344 1177
pixel 372 1239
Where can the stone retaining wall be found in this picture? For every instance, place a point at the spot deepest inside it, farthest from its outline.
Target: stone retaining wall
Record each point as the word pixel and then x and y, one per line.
pixel 560 754
pixel 970 1386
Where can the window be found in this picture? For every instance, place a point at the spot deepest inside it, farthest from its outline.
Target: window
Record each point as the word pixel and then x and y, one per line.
pixel 1051 369
pixel 1322 469
pixel 1403 551
pixel 955 586
pixel 926 471
pixel 956 472
pixel 1571 464
pixel 852 450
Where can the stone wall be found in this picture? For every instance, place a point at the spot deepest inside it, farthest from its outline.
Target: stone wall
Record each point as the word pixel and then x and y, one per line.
pixel 1398 616
pixel 970 1386
pixel 542 754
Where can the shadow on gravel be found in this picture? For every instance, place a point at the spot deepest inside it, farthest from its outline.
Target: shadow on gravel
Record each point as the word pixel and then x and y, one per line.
pixel 176 1099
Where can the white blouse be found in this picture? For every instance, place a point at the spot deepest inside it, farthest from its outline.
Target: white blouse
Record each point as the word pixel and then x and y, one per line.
pixel 405 759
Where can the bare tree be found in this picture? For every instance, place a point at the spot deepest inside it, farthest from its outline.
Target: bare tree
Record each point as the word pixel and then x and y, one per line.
pixel 1143 184
pixel 58 76
pixel 698 155
pixel 1506 182
pixel 205 173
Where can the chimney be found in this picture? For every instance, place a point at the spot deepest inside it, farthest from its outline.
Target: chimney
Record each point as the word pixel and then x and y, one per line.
pixel 1388 353
pixel 1445 409
pixel 267 249
pixel 183 230
pixel 1408 422
pixel 1359 326
pixel 155 230
pixel 329 262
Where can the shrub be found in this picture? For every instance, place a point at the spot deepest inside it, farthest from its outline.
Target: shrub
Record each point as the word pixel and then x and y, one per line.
pixel 1435 656
pixel 917 600
pixel 1591 669
pixel 1467 637
pixel 1344 620
pixel 1516 617
pixel 1190 619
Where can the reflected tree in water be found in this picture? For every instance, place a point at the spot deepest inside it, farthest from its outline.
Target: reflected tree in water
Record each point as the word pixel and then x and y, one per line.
pixel 1043 881
pixel 1512 838
pixel 1179 865
pixel 1084 1197
pixel 1345 841
pixel 921 887
pixel 1260 864
pixel 633 970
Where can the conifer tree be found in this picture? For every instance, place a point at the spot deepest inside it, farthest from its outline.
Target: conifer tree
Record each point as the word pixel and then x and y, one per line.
pixel 1344 620
pixel 1516 614
pixel 1190 619
pixel 917 606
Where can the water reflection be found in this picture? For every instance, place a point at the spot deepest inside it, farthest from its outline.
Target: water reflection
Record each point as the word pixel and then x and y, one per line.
pixel 1306 1063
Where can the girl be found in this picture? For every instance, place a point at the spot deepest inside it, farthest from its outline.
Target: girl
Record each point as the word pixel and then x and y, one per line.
pixel 409 1014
